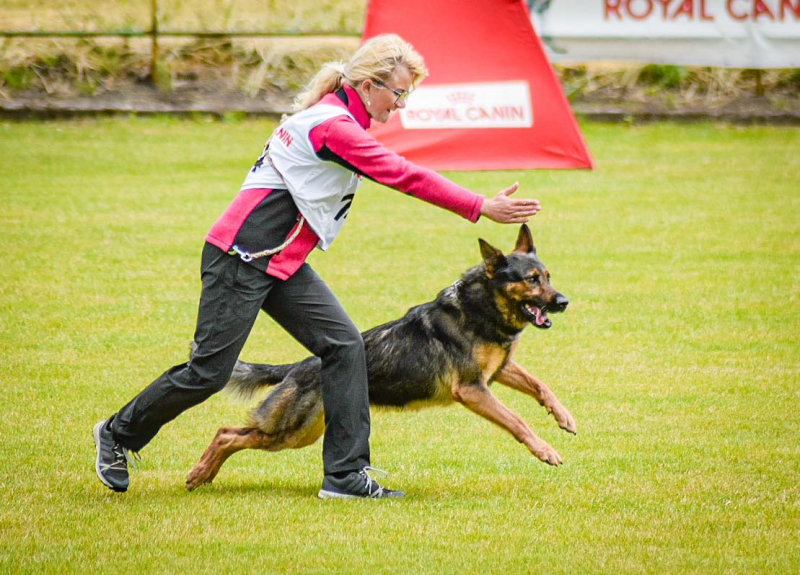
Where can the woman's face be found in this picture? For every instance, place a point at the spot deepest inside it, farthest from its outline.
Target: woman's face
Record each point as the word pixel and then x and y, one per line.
pixel 380 100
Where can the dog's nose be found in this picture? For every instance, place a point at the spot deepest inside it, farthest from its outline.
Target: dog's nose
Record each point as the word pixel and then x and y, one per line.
pixel 561 302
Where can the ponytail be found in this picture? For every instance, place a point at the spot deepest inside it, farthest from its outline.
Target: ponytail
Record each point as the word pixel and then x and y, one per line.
pixel 327 80
pixel 376 59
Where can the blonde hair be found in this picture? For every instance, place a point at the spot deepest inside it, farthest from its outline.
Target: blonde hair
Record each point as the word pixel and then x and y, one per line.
pixel 376 59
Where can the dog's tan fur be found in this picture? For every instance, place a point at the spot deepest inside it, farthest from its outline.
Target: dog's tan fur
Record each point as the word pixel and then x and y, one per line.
pixel 292 415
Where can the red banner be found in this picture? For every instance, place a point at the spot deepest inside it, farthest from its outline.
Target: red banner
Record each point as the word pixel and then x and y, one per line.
pixel 491 101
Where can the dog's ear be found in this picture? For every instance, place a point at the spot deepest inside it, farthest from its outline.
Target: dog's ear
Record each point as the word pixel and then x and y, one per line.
pixel 525 241
pixel 492 257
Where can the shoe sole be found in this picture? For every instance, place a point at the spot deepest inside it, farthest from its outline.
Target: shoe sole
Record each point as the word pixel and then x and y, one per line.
pixel 333 495
pixel 323 494
pixel 96 436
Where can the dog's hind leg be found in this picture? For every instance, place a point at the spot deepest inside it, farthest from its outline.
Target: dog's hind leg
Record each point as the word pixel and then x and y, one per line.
pixel 516 377
pixel 228 441
pixel 479 399
pixel 290 417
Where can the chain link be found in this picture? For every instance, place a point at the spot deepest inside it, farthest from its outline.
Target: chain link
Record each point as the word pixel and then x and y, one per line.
pixel 248 257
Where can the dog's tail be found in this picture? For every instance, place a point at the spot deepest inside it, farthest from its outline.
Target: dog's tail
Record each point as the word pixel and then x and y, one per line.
pixel 248 378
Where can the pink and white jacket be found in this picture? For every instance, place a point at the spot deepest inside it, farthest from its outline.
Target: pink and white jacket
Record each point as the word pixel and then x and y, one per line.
pixel 312 166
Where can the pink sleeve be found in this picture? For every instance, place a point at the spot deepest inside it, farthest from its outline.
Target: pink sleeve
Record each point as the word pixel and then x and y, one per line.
pixel 343 141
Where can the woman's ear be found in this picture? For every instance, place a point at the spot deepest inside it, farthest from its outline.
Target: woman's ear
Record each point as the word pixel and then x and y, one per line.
pixel 365 86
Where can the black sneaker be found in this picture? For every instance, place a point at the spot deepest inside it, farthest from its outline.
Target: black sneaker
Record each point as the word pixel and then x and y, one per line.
pixel 112 459
pixel 357 485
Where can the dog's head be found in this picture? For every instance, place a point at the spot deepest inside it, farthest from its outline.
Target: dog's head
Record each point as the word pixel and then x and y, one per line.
pixel 521 284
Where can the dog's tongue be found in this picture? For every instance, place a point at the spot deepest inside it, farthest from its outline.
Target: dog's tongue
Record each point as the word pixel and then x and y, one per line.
pixel 541 317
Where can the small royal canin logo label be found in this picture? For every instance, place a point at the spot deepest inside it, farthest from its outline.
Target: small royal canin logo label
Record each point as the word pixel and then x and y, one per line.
pixel 459 97
pixel 484 105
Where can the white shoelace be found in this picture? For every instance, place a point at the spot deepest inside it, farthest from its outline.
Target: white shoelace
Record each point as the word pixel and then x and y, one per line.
pixel 365 474
pixel 123 458
pixel 133 458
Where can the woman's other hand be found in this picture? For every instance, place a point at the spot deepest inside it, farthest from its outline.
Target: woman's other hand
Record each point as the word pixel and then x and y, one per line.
pixel 506 210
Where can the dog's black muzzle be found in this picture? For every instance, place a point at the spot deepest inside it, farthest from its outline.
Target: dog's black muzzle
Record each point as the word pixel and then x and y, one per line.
pixel 561 304
pixel 538 315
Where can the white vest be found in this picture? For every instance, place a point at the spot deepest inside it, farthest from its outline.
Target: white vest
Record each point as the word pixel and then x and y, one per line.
pixel 322 190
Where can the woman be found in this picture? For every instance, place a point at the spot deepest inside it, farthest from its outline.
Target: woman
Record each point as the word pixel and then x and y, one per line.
pixel 296 197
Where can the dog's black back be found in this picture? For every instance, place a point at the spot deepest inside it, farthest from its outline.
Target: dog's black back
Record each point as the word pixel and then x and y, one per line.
pixel 446 350
pixel 465 335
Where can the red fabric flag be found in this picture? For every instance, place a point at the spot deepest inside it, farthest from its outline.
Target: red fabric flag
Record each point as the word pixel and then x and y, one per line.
pixel 492 100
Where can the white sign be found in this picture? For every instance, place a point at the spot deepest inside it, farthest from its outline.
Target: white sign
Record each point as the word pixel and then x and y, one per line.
pixel 484 105
pixel 738 33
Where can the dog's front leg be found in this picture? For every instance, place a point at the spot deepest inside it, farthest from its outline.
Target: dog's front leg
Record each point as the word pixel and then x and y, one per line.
pixel 516 377
pixel 479 399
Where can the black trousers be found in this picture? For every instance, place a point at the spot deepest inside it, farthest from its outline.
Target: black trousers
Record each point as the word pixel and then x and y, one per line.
pixel 233 293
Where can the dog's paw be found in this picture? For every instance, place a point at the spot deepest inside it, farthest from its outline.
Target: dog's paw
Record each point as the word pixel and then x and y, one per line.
pixel 564 418
pixel 196 478
pixel 565 421
pixel 547 454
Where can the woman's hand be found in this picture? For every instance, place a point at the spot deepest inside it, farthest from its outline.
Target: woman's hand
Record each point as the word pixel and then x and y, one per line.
pixel 506 210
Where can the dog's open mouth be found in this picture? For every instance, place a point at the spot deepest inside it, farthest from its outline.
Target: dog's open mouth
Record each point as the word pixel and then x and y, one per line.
pixel 536 315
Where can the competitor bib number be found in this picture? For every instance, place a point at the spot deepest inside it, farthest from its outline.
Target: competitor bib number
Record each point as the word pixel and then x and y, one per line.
pixel 348 201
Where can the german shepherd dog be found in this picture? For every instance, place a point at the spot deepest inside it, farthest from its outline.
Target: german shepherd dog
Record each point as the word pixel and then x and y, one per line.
pixel 450 349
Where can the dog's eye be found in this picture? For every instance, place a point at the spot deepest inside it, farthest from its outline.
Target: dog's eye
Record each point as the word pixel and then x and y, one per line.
pixel 508 276
pixel 532 279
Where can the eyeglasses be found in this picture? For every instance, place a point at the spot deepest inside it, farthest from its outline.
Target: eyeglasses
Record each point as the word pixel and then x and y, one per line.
pixel 401 96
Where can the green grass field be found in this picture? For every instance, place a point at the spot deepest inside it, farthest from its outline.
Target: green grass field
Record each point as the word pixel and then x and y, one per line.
pixel 678 357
